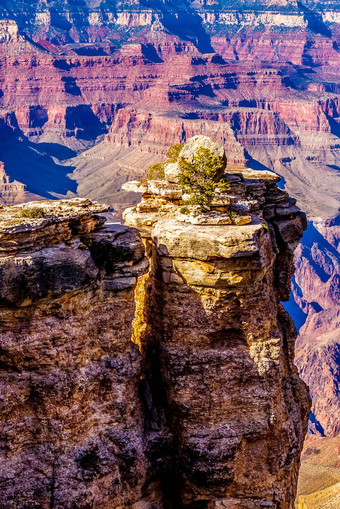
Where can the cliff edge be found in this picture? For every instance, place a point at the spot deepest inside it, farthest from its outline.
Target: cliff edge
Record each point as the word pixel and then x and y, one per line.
pixel 219 345
pixel 173 388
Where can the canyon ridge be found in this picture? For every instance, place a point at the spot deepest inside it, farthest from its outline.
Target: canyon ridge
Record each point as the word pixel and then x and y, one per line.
pixel 92 93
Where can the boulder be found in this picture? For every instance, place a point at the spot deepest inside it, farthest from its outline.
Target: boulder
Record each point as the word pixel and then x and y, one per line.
pixel 172 170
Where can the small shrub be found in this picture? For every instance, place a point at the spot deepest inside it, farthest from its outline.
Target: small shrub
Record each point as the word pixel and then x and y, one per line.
pixel 156 171
pixel 173 152
pixel 224 184
pixel 199 176
pixel 184 210
pixel 32 212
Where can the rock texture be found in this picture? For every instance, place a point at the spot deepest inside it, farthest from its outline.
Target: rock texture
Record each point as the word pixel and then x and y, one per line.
pixel 316 291
pixel 71 418
pixel 209 411
pixel 261 78
pixel 222 355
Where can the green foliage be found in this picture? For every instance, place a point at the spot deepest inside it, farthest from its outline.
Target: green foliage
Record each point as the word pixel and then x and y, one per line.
pixel 32 212
pixel 199 176
pixel 224 184
pixel 184 210
pixel 173 152
pixel 155 171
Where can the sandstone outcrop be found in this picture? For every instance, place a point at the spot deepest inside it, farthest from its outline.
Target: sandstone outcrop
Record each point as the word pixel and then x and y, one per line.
pixel 261 81
pixel 218 344
pixel 10 192
pixel 208 410
pixel 71 422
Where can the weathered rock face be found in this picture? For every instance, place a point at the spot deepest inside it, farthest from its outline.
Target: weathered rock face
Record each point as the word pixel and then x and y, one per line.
pixel 71 417
pixel 218 344
pixel 210 412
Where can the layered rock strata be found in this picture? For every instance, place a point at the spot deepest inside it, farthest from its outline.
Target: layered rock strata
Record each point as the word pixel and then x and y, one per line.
pixel 71 423
pixel 219 347
pixel 10 191
pixel 209 412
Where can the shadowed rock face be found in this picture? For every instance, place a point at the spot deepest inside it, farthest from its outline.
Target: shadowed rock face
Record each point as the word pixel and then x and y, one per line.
pixel 71 421
pixel 210 412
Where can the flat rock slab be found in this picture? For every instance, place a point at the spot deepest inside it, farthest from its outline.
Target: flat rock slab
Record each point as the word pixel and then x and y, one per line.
pixel 180 240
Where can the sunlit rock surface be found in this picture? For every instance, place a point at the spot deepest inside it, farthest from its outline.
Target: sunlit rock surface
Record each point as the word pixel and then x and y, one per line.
pixel 218 344
pixel 164 389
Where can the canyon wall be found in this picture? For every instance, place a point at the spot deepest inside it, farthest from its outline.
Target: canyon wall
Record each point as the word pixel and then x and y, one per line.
pixel 208 411
pixel 71 425
pixel 261 78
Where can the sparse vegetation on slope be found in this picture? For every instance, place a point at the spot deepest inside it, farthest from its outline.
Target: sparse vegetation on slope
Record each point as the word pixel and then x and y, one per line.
pixel 32 212
pixel 156 171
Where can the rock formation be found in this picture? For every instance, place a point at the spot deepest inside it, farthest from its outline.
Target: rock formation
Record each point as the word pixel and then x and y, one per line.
pixel 316 289
pixel 71 416
pixel 210 412
pixel 10 192
pixel 213 296
pixel 261 78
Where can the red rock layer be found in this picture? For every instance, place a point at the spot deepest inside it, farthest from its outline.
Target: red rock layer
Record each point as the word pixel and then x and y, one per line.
pixel 316 289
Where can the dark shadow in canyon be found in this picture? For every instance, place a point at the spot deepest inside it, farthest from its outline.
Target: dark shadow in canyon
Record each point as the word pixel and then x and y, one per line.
pixel 71 86
pixel 255 164
pixel 188 26
pixel 57 150
pixel 311 238
pixel 203 87
pixel 149 52
pixel 334 125
pixel 294 310
pixel 84 122
pixel 62 64
pixel 35 165
pixel 316 425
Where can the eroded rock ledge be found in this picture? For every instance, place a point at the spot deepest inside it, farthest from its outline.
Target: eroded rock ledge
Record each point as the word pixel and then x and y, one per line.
pixel 209 412
pixel 219 345
pixel 71 418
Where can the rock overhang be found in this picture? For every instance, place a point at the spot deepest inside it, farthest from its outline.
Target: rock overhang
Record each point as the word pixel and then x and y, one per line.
pixel 52 248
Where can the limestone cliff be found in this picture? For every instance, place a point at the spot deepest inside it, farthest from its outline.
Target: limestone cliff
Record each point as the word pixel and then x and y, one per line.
pixel 218 344
pixel 210 412
pixel 71 418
